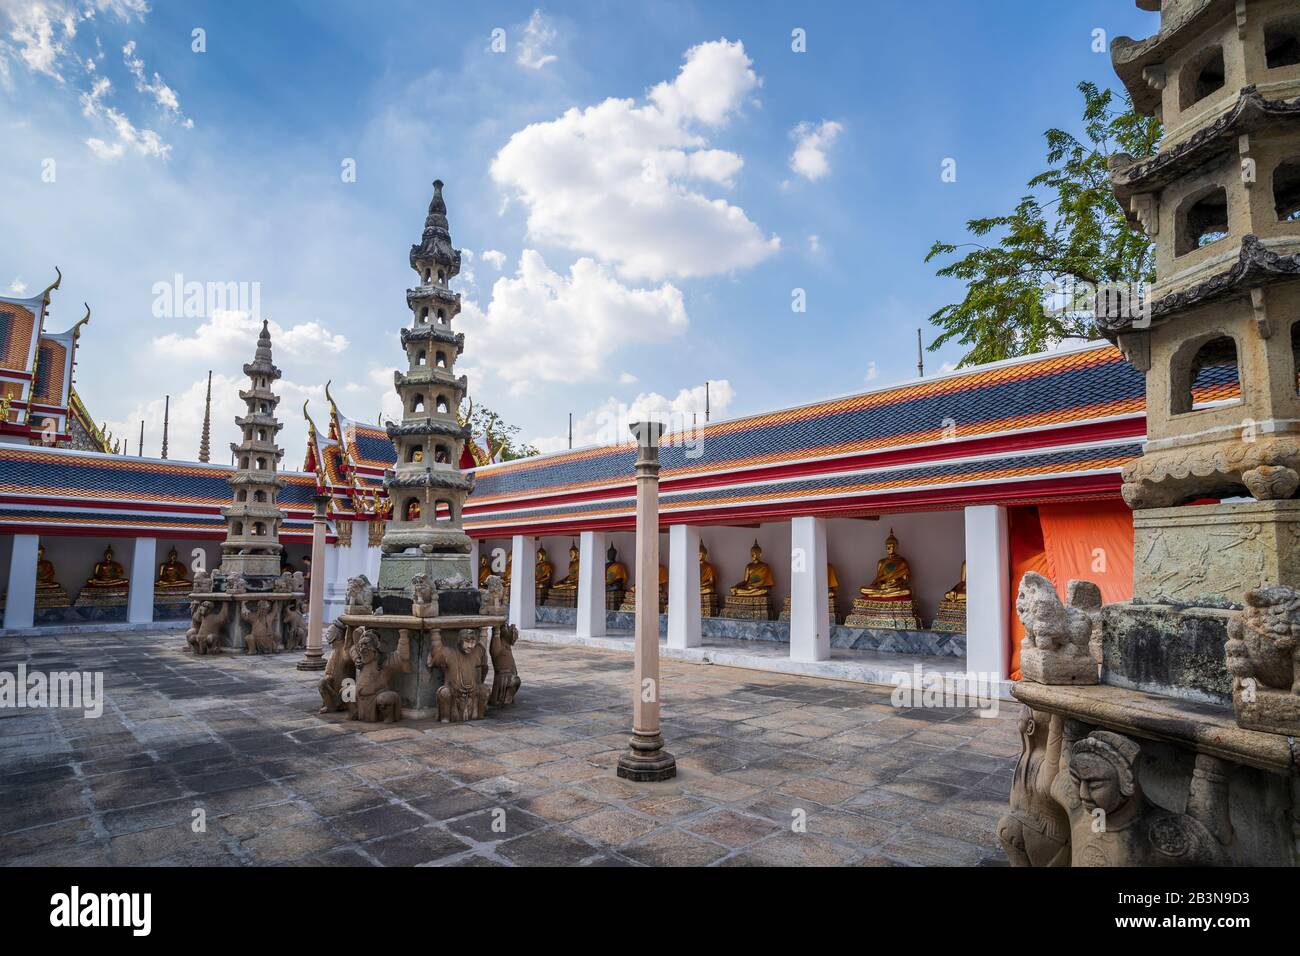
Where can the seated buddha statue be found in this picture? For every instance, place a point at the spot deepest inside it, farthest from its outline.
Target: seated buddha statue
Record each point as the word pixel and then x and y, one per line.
pixel 108 573
pixel 615 571
pixel 544 569
pixel 570 580
pixel 484 570
pixel 171 574
pixel 893 580
pixel 832 579
pixel 45 573
pixel 758 576
pixel 708 574
pixel 958 592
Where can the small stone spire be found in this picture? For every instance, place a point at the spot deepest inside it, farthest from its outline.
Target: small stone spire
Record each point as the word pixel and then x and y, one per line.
pixel 167 408
pixel 205 449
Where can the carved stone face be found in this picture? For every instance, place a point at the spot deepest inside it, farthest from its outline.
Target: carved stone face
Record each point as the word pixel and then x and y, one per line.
pixel 468 640
pixel 366 650
pixel 1098 783
pixel 264 606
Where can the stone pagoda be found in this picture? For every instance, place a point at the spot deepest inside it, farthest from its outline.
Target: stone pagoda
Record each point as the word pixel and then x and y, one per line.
pixel 1182 742
pixel 247 604
pixel 426 486
pixel 418 645
pixel 252 546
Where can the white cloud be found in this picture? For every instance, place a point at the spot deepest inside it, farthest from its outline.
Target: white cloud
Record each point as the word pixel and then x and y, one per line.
pixel 495 258
pixel 163 95
pixel 626 378
pixel 873 373
pixel 544 326
pixel 232 335
pixel 621 179
pixel 814 243
pixel 104 150
pixel 32 31
pixel 18 286
pixel 811 143
pixel 538 36
pixel 607 424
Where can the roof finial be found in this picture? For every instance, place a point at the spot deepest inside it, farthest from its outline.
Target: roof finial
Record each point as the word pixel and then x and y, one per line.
pixel 58 281
pixel 167 407
pixel 205 449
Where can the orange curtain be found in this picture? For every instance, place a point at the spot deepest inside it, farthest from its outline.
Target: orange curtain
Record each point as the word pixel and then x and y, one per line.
pixel 1092 540
pixel 1028 553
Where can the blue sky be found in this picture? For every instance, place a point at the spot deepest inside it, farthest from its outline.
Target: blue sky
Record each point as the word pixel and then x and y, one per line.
pixel 650 186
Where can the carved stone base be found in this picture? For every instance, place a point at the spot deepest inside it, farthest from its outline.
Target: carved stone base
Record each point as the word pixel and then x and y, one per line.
pixel 1056 667
pixel 830 600
pixel 747 607
pixel 1210 555
pixel 397 570
pixel 628 605
pixel 101 597
pixel 646 761
pixel 614 599
pixel 708 605
pixel 898 615
pixel 951 617
pixel 1267 468
pixel 1270 711
pixel 52 597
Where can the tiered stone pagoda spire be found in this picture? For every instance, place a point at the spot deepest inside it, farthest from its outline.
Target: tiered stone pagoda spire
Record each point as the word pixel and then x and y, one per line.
pixel 426 487
pixel 253 518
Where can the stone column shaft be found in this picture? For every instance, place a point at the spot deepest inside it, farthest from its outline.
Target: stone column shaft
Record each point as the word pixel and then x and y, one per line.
pixel 810 617
pixel 139 599
pixel 20 600
pixel 684 586
pixel 988 591
pixel 523 596
pixel 313 657
pixel 591 584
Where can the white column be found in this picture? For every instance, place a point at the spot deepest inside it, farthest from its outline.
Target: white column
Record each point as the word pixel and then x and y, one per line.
pixel 591 584
pixel 139 596
pixel 988 591
pixel 20 601
pixel 523 596
pixel 684 586
pixel 473 561
pixel 810 616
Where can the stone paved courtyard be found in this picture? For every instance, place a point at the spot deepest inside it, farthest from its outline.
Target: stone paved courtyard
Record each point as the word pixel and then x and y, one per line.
pixel 237 737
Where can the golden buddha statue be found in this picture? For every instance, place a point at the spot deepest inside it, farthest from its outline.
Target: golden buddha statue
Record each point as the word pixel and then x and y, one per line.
pixel 832 579
pixel 758 576
pixel 893 581
pixel 108 573
pixel 615 571
pixel 663 579
pixel 570 580
pixel 958 592
pixel 708 574
pixel 172 574
pixel 45 573
pixel 484 570
pixel 544 569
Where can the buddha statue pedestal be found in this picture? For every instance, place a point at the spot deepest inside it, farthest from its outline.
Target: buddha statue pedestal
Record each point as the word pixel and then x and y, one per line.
pixel 709 605
pixel 628 604
pixel 51 597
pixel 830 601
pixel 614 600
pixel 562 597
pixel 897 614
pixel 747 607
pixel 951 617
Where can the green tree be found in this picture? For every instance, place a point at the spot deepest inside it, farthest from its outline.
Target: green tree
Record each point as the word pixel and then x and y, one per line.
pixel 500 435
pixel 1068 232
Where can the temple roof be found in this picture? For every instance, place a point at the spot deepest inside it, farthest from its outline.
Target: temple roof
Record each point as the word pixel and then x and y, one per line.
pixel 1050 426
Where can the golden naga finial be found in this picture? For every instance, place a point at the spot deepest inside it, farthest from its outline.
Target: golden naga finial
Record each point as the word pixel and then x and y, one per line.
pixel 330 398
pixel 76 329
pixel 53 285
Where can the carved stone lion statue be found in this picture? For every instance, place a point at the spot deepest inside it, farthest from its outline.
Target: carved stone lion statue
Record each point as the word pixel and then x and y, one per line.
pixel 492 596
pixel 375 701
pixel 505 677
pixel 1055 649
pixel 260 638
pixel 361 595
pixel 1263 656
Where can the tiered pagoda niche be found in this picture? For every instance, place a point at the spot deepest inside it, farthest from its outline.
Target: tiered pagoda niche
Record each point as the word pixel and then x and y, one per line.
pixel 426 487
pixel 1182 742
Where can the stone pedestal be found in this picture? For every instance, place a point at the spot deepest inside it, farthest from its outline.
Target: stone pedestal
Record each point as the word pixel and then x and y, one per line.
pixel 870 612
pixel 708 605
pixel 397 570
pixel 419 687
pixel 236 630
pixel 830 600
pixel 1210 555
pixel 52 597
pixel 614 600
pixel 747 607
pixel 101 597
